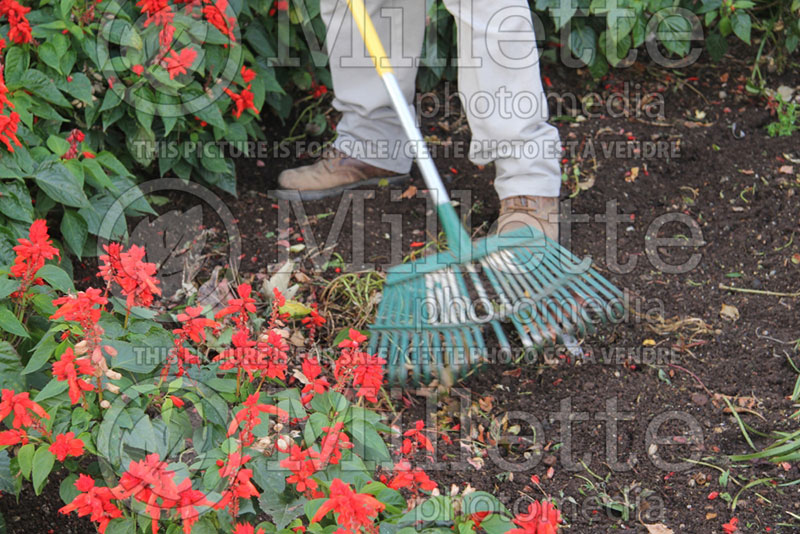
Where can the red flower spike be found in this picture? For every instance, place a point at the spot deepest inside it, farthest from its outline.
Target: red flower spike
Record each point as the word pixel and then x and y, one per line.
pixel 66 445
pixel 354 510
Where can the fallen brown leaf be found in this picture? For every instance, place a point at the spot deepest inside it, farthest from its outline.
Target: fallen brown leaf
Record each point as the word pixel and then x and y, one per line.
pixel 786 169
pixel 728 312
pixel 658 528
pixel 410 192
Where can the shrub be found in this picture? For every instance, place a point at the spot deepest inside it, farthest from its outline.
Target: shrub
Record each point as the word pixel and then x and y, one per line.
pixel 209 426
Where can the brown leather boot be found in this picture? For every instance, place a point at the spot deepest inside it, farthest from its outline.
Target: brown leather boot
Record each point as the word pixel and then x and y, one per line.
pixel 333 173
pixel 538 212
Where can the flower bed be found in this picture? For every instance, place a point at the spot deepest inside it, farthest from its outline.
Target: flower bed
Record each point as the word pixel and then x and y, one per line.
pixel 216 425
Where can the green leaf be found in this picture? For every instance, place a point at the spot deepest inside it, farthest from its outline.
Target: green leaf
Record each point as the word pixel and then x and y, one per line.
pixel 481 501
pixel 110 162
pixel 583 43
pixel 295 309
pixel 25 459
pixel 121 526
pixel 75 231
pixel 80 87
pixel 8 482
pixel 674 32
pixel 58 145
pixel 10 368
pixel 742 24
pixel 52 389
pixel 56 277
pixel 7 286
pixel 10 323
pixel 282 513
pixel 43 462
pixel 15 201
pixel 51 57
pixel 60 184
pixel 716 45
pixel 41 85
pixel 41 354
pixel 67 490
pixel 17 62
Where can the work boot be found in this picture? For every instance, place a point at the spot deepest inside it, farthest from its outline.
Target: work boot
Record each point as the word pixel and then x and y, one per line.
pixel 539 212
pixel 333 173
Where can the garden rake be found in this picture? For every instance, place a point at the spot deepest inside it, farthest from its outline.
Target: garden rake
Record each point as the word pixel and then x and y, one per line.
pixel 434 312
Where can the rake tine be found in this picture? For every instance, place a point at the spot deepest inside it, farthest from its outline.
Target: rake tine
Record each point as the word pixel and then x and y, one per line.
pixel 551 325
pixel 504 288
pixel 544 279
pixel 526 278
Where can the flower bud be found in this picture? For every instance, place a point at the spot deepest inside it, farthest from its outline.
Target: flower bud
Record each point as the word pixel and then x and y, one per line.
pixel 278 427
pixel 104 404
pixel 80 347
pixel 113 388
pixel 113 375
pixel 283 443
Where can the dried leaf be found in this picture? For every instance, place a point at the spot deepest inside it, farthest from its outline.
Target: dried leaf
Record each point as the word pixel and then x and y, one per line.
pixel 786 169
pixel 410 192
pixel 658 528
pixel 634 174
pixel 729 313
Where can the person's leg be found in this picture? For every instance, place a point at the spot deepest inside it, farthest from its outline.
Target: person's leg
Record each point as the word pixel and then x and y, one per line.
pixel 370 145
pixel 506 106
pixel 359 93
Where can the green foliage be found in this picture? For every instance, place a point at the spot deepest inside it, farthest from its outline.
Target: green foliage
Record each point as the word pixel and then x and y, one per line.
pixel 788 119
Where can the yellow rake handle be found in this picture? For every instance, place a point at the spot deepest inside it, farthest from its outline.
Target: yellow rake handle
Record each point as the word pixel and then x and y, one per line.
pixel 370 36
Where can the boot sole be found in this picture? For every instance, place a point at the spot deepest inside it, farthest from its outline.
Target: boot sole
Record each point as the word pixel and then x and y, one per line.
pixel 319 194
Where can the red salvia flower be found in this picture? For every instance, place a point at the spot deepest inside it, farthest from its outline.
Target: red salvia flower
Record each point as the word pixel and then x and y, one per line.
pixel 83 308
pixel 20 28
pixel 316 383
pixel 13 437
pixel 413 479
pixel 368 376
pixel 8 130
pixel 215 14
pixel 248 75
pixel 67 370
pixel 66 445
pixel 240 485
pixel 301 462
pixel 94 502
pixel 732 526
pixel 239 307
pixel 416 438
pixel 250 416
pixel 32 254
pixel 187 504
pixel 542 518
pixel 332 444
pixel 193 324
pixel 274 349
pixel 177 64
pixel 4 101
pixel 134 276
pixel 246 528
pixel 354 510
pixel 242 101
pixel 26 412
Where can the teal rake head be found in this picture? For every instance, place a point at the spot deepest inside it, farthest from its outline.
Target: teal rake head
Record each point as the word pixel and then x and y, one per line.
pixel 442 317
pixel 435 313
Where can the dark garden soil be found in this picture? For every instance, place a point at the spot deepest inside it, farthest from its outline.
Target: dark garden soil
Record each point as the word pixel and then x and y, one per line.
pixel 722 170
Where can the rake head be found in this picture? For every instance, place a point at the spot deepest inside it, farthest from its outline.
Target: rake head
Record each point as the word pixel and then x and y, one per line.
pixel 435 313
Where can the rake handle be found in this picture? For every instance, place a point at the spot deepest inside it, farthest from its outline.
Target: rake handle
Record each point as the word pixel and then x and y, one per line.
pixel 457 237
